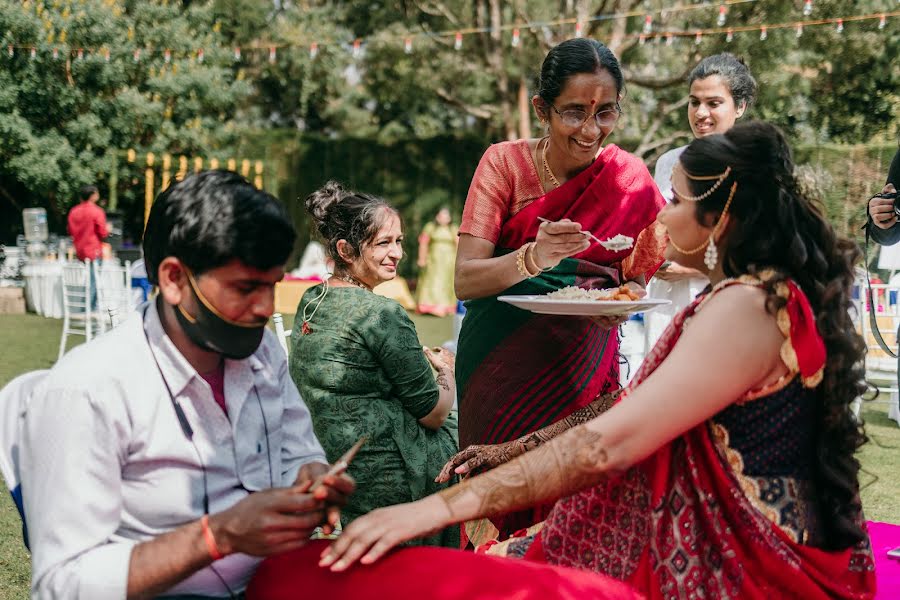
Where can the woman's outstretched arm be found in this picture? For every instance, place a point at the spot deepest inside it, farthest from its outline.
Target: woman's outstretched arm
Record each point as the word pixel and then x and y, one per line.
pixel 705 372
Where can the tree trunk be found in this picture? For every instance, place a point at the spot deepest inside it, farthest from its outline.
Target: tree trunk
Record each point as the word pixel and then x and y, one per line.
pixel 524 110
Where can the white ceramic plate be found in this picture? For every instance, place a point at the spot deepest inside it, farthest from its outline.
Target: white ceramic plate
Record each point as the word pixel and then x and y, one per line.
pixel 584 308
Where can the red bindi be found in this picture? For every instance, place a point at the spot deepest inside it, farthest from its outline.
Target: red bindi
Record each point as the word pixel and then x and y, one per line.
pixel 592 102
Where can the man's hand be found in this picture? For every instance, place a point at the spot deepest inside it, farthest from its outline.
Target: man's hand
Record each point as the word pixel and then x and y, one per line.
pixel 881 210
pixel 333 490
pixel 267 522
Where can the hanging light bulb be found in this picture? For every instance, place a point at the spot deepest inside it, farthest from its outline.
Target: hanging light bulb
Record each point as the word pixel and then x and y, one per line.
pixel 641 39
pixel 200 55
pixel 357 48
pixel 669 39
pixel 882 22
pixel 106 54
pixel 729 36
pixel 407 45
pixel 648 24
pixel 698 38
pixel 799 29
pixel 457 42
pixel 840 26
pixel 807 7
pixel 168 56
pixel 273 55
pixel 56 54
pixel 763 33
pixel 10 51
pixel 515 38
pixel 237 53
pixel 33 53
pixel 313 50
pixel 578 32
pixel 80 55
pixel 136 55
pixel 723 10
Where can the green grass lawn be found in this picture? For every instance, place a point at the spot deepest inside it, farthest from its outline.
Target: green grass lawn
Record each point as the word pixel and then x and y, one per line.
pixel 30 342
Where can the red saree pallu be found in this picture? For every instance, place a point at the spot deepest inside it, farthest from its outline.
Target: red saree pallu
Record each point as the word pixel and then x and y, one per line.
pixel 688 521
pixel 432 573
pixel 517 371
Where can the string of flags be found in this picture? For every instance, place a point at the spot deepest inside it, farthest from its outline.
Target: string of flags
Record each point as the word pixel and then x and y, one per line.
pixel 648 32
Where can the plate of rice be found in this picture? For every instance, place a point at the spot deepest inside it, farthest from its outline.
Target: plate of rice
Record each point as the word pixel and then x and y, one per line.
pixel 578 301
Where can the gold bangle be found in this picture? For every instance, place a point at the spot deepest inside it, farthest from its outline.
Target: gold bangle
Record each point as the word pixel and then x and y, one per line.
pixel 539 270
pixel 520 262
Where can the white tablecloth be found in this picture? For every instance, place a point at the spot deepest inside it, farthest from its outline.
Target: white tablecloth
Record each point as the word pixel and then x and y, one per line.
pixel 43 285
pixel 43 288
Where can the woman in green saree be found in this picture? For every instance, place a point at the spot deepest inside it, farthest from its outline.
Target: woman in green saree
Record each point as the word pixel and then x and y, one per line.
pixel 358 364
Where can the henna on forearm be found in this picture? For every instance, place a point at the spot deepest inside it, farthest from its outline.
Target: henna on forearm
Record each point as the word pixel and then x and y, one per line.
pixel 581 416
pixel 570 463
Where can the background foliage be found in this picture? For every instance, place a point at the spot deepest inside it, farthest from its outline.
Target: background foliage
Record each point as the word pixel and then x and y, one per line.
pixel 409 125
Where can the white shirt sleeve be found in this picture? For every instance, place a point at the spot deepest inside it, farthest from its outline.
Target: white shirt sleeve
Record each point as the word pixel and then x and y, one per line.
pixel 71 456
pixel 300 444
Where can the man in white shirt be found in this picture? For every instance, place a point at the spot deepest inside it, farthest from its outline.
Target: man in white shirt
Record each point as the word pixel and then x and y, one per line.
pixel 164 457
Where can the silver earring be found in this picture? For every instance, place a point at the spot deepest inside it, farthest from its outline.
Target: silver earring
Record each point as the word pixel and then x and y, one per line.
pixel 711 257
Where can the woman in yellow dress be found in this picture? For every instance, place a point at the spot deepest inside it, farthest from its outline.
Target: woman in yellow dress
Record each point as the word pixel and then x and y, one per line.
pixel 437 257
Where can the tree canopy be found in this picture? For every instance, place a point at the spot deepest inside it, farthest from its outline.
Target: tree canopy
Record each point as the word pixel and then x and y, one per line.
pixel 81 81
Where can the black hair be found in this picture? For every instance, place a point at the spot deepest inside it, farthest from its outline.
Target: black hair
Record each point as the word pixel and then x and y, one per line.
pixel 87 191
pixel 213 217
pixel 734 71
pixel 776 227
pixel 341 214
pixel 572 57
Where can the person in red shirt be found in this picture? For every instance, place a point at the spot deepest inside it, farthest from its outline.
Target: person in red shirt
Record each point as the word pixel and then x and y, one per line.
pixel 87 224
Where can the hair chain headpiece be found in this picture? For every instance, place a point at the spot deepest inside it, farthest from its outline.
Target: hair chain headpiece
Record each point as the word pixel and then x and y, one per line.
pixel 712 253
pixel 719 180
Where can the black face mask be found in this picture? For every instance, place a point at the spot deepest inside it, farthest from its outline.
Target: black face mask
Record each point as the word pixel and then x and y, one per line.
pixel 215 333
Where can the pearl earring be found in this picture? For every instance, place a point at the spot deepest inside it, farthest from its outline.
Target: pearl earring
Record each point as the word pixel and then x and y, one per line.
pixel 711 256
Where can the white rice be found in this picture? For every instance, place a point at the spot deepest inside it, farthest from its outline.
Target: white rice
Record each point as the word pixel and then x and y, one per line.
pixel 576 293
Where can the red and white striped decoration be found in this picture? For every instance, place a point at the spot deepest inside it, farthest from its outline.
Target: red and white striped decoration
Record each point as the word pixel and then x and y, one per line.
pixel 313 50
pixel 723 11
pixel 648 24
pixel 515 38
pixel 457 42
pixel 407 45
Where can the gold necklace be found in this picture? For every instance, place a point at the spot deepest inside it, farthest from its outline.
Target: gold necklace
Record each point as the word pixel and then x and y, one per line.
pixel 553 178
pixel 353 280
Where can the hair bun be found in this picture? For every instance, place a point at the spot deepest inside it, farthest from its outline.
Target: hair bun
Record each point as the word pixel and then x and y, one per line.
pixel 320 202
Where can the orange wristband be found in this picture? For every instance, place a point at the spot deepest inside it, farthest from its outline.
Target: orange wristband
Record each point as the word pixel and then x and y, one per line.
pixel 210 539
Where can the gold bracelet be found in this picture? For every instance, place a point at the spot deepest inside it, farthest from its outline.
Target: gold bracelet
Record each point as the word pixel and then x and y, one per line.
pixel 520 262
pixel 539 270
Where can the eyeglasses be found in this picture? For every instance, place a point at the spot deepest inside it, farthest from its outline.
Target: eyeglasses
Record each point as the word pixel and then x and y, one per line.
pixel 577 118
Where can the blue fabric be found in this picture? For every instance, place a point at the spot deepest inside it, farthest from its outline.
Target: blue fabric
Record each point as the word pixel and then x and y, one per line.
pixel 144 284
pixel 16 494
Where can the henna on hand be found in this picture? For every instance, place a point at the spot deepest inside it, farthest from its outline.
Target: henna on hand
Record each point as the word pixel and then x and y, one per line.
pixel 493 455
pixel 567 464
pixel 443 379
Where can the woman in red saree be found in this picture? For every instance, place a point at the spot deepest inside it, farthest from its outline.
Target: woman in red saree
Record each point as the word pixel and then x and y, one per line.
pixel 726 469
pixel 518 371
